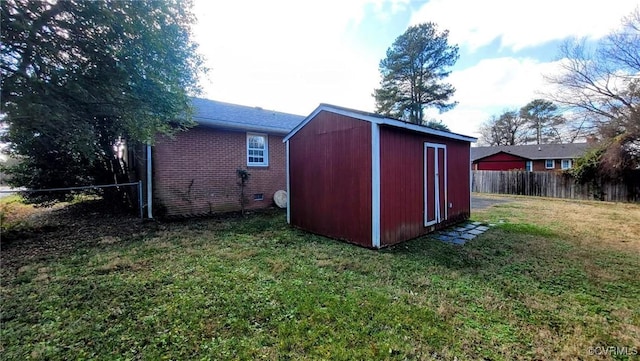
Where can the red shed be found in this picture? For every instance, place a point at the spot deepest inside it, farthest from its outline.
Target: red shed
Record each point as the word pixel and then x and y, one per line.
pixel 374 181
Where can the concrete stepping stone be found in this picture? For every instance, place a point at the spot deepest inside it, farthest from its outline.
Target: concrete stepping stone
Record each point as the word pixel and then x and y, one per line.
pixel 467 236
pixel 464 233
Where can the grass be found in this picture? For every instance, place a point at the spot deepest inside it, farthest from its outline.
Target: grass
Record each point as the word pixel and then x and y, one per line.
pixel 14 213
pixel 553 280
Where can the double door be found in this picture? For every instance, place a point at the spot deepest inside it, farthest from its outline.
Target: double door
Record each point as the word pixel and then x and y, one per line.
pixel 435 183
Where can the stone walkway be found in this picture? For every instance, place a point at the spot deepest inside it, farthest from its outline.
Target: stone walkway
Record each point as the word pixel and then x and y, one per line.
pixel 462 233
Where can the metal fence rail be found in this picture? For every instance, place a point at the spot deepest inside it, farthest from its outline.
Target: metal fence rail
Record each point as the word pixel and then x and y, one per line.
pixel 139 184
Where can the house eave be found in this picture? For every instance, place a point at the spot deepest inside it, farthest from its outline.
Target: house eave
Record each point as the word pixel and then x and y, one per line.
pixel 220 124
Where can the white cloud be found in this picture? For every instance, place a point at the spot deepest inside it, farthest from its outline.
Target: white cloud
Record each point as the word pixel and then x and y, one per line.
pixel 522 24
pixel 292 55
pixel 463 119
pixel 492 86
pixel 287 55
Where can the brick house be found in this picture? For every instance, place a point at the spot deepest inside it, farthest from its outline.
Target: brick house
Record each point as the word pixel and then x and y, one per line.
pixel 194 172
pixel 530 157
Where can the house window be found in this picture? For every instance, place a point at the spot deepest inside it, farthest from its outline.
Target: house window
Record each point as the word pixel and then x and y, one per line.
pixel 550 163
pixel 529 166
pixel 566 163
pixel 257 150
pixel 258 197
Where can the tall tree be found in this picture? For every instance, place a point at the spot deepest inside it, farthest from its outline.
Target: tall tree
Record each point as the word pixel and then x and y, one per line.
pixel 509 128
pixel 605 87
pixel 79 76
pixel 412 74
pixel 436 124
pixel 544 120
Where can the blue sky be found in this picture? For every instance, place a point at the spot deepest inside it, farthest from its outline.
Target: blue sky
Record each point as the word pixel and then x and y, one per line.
pixel 291 55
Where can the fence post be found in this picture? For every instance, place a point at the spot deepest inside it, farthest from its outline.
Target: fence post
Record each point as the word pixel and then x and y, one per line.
pixel 140 199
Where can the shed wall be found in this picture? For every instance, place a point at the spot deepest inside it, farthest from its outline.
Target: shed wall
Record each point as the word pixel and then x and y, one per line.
pixel 330 178
pixel 402 183
pixel 195 172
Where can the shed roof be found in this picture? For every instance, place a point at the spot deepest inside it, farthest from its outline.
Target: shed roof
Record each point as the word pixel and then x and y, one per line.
pixel 377 119
pixel 533 151
pixel 240 117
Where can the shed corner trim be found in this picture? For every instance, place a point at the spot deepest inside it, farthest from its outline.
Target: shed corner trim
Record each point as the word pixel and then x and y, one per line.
pixel 375 185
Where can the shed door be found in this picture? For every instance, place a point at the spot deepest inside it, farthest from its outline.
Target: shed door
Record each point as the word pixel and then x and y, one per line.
pixel 435 183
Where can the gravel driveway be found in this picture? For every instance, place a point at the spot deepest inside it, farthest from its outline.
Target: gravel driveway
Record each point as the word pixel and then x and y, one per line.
pixel 485 201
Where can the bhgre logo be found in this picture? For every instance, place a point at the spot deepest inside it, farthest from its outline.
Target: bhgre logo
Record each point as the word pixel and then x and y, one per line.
pixel 613 351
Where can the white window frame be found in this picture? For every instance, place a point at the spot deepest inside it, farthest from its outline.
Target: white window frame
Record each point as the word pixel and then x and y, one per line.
pixel 568 161
pixel 553 163
pixel 528 166
pixel 264 163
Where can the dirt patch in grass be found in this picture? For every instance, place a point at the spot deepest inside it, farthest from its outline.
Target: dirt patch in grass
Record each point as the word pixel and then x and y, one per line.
pixel 46 233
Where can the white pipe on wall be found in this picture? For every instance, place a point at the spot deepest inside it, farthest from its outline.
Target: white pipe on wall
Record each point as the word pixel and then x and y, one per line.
pixel 149 184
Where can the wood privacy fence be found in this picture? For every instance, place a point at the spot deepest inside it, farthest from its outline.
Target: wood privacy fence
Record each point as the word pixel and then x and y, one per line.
pixel 553 184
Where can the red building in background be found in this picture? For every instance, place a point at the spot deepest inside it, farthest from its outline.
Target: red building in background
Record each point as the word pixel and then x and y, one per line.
pixel 530 157
pixel 374 181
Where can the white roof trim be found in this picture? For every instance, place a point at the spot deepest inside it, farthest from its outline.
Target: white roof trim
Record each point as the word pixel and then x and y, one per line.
pixel 377 120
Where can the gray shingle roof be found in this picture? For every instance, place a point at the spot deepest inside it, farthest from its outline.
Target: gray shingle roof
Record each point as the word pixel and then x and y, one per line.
pixel 239 117
pixel 533 151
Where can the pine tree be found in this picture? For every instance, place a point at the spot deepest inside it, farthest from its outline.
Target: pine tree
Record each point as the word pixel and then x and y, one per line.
pixel 412 74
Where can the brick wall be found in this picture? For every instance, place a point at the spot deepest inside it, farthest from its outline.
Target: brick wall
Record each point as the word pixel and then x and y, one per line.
pixel 540 165
pixel 195 172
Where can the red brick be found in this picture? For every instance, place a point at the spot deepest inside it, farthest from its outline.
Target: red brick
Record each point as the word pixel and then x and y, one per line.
pixel 195 172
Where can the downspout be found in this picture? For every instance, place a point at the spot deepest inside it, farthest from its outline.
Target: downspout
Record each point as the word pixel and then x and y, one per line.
pixel 149 184
pixel 470 180
pixel 288 184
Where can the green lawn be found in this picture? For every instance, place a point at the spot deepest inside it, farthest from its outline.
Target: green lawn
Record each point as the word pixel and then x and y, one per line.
pixel 548 283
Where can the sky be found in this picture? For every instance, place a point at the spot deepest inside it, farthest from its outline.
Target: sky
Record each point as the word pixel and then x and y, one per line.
pixel 290 56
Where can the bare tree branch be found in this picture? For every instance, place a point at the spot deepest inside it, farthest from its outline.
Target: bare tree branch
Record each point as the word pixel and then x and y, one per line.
pixel 603 88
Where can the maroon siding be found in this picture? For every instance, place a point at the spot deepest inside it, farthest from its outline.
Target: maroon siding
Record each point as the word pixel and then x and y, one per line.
pixel 195 172
pixel 500 161
pixel 330 178
pixel 402 183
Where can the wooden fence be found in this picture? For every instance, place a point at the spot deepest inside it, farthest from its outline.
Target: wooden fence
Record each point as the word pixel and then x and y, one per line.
pixel 552 184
